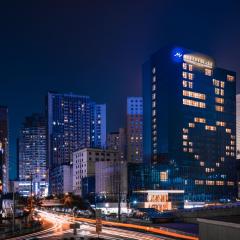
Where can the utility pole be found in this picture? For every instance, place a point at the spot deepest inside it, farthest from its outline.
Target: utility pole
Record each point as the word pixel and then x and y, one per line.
pixel 14 206
pixel 119 191
pixel 31 197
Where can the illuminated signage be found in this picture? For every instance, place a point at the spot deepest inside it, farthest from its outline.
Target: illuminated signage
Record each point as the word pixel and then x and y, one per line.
pixel 198 60
pixel 177 54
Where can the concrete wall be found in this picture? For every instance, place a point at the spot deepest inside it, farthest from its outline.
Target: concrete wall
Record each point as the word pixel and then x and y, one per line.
pixel 217 230
pixel 191 216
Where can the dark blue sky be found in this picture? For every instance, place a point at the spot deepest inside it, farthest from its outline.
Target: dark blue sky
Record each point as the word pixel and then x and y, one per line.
pixel 97 48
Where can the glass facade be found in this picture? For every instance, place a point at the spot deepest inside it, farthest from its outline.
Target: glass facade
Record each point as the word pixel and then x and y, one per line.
pixel 74 122
pixel 190 123
pixel 32 152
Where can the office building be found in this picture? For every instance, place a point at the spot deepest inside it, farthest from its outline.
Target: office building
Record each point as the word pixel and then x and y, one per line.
pixel 74 122
pixel 190 123
pixel 102 169
pixel 83 167
pixel 135 129
pixel 32 153
pixel 4 148
pixel 117 141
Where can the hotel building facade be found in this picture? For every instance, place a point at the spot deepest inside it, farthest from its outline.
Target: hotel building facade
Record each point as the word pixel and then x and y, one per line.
pixel 190 124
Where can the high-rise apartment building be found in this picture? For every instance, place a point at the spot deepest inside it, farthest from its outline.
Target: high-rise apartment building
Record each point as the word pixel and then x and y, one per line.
pixel 135 129
pixel 190 123
pixel 74 122
pixel 4 148
pixel 32 153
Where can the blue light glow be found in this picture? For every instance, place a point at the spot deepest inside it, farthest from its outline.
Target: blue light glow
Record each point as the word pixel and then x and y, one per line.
pixel 177 54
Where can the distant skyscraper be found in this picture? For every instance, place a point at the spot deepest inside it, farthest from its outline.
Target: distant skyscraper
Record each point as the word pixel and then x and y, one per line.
pixel 135 129
pixel 4 138
pixel 32 150
pixel 74 122
pixel 117 141
pixel 190 123
pixel 238 124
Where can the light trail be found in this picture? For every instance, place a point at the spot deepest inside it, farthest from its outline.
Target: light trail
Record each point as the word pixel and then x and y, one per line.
pixel 110 230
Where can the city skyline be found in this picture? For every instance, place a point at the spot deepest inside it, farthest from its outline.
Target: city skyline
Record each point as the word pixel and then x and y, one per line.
pixel 48 47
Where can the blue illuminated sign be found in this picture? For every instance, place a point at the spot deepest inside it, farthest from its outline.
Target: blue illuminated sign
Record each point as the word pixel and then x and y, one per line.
pixel 177 54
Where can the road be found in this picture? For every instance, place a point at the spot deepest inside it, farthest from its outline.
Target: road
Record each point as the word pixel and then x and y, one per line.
pixel 60 229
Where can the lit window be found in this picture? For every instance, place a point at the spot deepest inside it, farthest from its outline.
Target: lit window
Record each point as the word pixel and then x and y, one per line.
pixel 232 142
pixel 230 78
pixel 208 182
pixel 184 65
pixel 222 92
pixel 163 176
pixel 208 72
pixel 194 94
pixel 215 82
pixel 154 87
pixel 210 128
pixel 190 150
pixel 230 183
pixel 191 125
pixel 184 74
pixel 190 84
pixel 154 70
pixel 202 164
pixel 228 130
pixel 190 67
pixel 185 83
pixel 153 104
pixel 222 84
pixel 196 156
pixel 185 149
pixel 220 183
pixel 185 137
pixel 222 124
pixel 199 120
pixel 185 130
pixel 217 164
pixel 217 91
pixel 185 143
pixel 193 103
pixel 219 108
pixel 222 159
pixel 154 96
pixel 190 76
pixel 199 182
pixel 219 100
pixel 154 79
pixel 154 112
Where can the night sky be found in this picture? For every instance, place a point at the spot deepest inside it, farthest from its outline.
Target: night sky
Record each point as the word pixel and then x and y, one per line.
pixel 96 48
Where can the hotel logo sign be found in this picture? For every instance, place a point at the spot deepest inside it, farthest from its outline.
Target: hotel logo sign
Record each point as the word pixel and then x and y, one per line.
pixel 198 60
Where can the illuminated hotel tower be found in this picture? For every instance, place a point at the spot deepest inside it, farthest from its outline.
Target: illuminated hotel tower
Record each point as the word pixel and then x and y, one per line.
pixel 190 123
